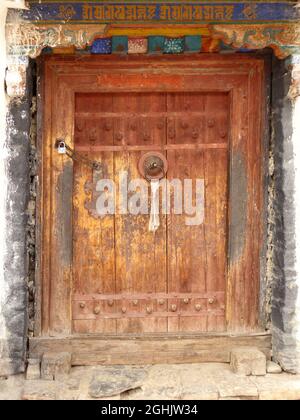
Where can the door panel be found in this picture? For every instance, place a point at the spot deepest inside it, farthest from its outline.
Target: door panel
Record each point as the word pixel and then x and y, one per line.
pixel 126 278
pixel 197 254
pixel 225 98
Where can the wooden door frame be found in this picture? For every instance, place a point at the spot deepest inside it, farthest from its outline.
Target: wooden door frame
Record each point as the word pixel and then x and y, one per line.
pixel 243 78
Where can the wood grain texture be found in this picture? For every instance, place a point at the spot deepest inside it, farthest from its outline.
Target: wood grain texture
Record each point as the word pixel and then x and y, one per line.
pixel 137 350
pixel 221 256
pixel 120 251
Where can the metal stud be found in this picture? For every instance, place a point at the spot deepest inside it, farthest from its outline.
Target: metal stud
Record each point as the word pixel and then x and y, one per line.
pixel 161 302
pixel 108 126
pixel 198 307
pixel 149 310
pixel 223 134
pixel 195 133
pixel 124 310
pixel 82 305
pixel 171 133
pixel 97 310
pixel 173 308
pixel 119 136
pixel 211 301
pixel 211 122
pixel 186 300
pixel 135 302
pixel 93 135
pixel 110 303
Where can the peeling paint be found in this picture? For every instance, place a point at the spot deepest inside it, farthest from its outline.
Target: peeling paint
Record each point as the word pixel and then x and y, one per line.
pixel 64 193
pixel 238 207
pixel 27 39
pixel 294 91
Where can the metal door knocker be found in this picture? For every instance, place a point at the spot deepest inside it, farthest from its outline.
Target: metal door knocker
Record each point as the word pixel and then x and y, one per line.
pixel 153 166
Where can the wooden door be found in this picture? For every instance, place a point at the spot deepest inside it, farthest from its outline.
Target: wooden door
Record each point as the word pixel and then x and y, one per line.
pixel 128 279
pixel 111 274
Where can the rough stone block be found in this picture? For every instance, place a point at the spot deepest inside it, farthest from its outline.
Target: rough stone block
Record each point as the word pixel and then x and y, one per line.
pixel 39 390
pixel 108 382
pixel 278 387
pixel 200 392
pixel 238 387
pixel 33 371
pixel 55 366
pixel 248 361
pixel 273 367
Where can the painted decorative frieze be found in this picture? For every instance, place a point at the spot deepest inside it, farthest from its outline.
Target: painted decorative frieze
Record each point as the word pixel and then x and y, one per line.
pixel 284 39
pixel 28 39
pixel 137 46
pixel 153 27
pixel 102 46
pixel 174 46
pixel 159 11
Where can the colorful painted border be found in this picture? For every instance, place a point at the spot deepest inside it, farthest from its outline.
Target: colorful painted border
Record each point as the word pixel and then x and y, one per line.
pixel 189 12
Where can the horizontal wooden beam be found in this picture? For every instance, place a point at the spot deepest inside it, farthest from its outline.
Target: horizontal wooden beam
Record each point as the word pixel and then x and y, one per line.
pixel 152 147
pixel 186 114
pixel 149 349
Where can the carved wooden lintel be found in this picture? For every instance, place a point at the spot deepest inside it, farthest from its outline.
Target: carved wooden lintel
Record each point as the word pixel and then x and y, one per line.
pixel 284 39
pixel 27 39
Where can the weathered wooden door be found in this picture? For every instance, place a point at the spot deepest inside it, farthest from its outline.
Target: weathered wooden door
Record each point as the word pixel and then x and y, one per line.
pixel 128 279
pixel 111 273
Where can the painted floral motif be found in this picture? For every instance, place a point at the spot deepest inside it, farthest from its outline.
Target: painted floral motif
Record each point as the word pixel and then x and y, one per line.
pixel 102 46
pixel 174 45
pixel 66 12
pixel 250 11
pixel 137 46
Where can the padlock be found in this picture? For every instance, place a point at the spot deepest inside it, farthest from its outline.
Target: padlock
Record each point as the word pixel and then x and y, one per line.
pixel 61 148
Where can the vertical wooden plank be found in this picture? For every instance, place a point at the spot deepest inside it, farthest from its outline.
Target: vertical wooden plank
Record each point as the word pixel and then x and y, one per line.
pixel 140 254
pixel 195 260
pixel 61 210
pixel 216 171
pixel 240 210
pixel 255 159
pixel 44 200
pixel 93 263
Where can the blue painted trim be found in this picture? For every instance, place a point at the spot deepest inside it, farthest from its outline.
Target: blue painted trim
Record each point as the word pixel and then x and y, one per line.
pixel 157 12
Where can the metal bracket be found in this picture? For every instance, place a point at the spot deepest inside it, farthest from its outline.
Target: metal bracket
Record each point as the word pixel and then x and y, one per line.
pixel 64 149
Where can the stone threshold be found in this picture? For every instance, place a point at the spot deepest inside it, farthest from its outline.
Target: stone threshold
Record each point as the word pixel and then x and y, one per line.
pixel 203 381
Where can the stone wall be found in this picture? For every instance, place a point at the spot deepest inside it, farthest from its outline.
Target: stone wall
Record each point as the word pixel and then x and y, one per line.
pixel 3 12
pixel 14 128
pixel 14 310
pixel 286 214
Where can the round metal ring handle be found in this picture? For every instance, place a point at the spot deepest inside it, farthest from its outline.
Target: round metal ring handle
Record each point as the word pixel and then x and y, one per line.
pixel 153 166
